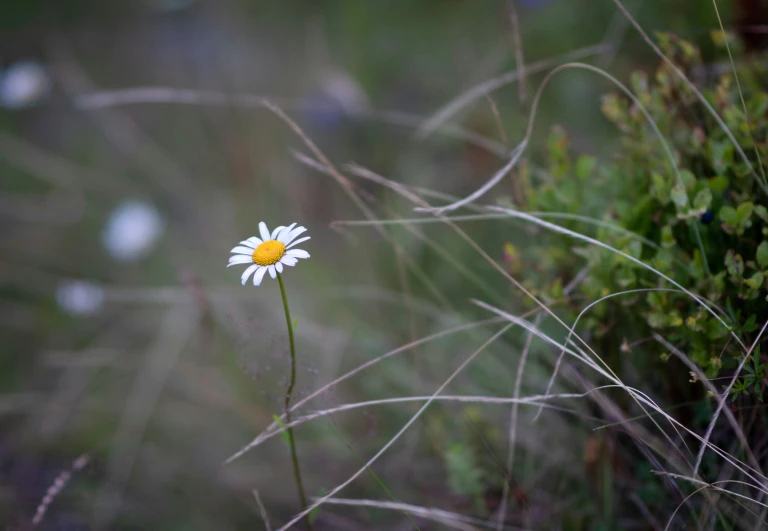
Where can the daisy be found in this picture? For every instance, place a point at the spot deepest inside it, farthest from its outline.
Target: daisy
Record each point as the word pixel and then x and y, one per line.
pixel 132 230
pixel 24 84
pixel 270 252
pixel 80 297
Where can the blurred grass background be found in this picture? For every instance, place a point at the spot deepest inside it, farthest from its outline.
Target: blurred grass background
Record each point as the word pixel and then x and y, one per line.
pixel 178 367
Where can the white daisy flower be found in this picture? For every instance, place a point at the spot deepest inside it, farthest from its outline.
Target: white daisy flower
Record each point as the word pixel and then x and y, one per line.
pixel 23 84
pixel 132 230
pixel 270 252
pixel 80 297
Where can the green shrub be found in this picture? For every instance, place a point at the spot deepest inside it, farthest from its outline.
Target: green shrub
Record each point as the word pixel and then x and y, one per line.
pixel 702 221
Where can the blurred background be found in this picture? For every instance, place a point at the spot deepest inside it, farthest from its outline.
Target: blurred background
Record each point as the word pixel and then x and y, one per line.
pixel 133 361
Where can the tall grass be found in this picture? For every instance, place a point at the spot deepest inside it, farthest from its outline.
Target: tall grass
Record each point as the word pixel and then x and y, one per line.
pixel 440 384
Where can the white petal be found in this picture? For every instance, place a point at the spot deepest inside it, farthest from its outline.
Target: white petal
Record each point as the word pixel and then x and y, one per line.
pixel 247 273
pixel 272 271
pixel 287 260
pixel 305 238
pixel 279 267
pixel 248 243
pixel 295 233
pixel 255 241
pixel 297 253
pixel 242 250
pixel 285 231
pixel 263 231
pixel 288 237
pixel 259 275
pixel 239 259
pixel 276 232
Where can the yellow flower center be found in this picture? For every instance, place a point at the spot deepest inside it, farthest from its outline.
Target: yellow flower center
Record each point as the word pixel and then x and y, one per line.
pixel 268 253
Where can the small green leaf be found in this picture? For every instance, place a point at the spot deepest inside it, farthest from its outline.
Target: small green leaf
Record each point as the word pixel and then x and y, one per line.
pixel 313 514
pixel 558 152
pixel 283 434
pixel 679 196
pixel 696 266
pixel 512 258
pixel 295 323
pixel 762 254
pixel 719 38
pixel 643 207
pixel 667 238
pixel 733 115
pixel 625 277
pixel 557 290
pixel 728 215
pixel 585 167
pixel 761 212
pixel 657 299
pixel 718 184
pixel 639 81
pixel 659 188
pixel 734 264
pixel 634 249
pixel 690 52
pixel 750 325
pixel 744 212
pixel 758 104
pixel 657 320
pixel 755 281
pixel 702 200
pixel 612 108
pixel 715 330
pixel 689 180
pixel 465 477
pixel 663 259
pixel 722 155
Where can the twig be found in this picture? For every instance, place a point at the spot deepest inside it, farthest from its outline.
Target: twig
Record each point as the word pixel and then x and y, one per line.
pixel 58 485
pixel 262 510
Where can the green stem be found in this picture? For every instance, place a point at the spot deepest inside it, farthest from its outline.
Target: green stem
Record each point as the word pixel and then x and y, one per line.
pixel 288 396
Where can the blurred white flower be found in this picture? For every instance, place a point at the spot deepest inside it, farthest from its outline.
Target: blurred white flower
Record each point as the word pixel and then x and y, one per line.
pixel 269 253
pixel 340 97
pixel 23 84
pixel 79 297
pixel 346 91
pixel 132 230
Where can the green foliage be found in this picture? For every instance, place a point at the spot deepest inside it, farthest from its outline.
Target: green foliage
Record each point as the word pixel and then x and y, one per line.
pixel 698 197
pixel 464 475
pixel 283 434
pixel 754 377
